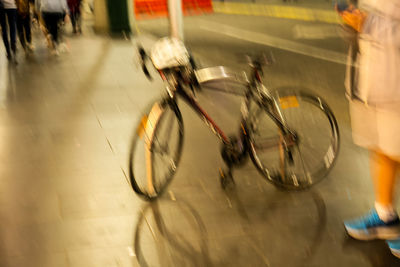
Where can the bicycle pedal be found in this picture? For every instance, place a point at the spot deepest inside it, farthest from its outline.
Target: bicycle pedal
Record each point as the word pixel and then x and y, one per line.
pixel 290 157
pixel 226 179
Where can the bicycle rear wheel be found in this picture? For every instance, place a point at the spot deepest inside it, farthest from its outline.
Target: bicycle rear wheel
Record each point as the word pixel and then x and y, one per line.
pixel 305 161
pixel 156 149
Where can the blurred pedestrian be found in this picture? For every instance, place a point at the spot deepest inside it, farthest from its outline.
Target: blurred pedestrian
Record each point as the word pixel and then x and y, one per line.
pixel 375 117
pixel 53 12
pixel 39 22
pixel 24 24
pixel 75 15
pixel 8 18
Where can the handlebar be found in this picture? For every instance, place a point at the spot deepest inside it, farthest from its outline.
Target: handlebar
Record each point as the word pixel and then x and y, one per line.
pixel 260 60
pixel 256 62
pixel 143 58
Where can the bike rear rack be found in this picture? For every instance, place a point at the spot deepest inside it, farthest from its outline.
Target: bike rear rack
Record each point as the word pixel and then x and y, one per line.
pixel 220 73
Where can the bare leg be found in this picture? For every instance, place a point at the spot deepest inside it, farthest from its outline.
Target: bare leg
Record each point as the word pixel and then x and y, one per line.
pixel 383 171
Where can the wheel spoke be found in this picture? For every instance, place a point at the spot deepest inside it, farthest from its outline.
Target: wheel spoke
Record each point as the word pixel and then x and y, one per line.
pixel 313 153
pixel 267 143
pixel 313 149
pixel 163 144
pixel 160 149
pixel 305 169
pixel 272 142
pixel 254 119
pixel 170 124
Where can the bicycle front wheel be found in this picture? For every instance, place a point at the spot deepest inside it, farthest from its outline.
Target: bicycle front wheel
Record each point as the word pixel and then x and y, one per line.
pixel 307 151
pixel 156 149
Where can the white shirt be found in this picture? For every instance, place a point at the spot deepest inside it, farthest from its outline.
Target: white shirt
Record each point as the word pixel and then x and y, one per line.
pixel 9 4
pixel 51 6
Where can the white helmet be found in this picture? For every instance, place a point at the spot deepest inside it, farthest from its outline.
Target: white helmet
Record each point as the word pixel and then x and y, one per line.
pixel 169 52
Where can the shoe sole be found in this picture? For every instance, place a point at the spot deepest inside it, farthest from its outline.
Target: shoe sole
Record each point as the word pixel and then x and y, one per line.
pixel 395 252
pixel 384 232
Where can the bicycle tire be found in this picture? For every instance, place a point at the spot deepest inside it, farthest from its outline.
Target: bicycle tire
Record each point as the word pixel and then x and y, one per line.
pixel 148 145
pixel 317 146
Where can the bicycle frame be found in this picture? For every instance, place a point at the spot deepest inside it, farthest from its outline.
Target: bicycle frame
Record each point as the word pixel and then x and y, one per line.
pixel 263 128
pixel 203 114
pixel 252 93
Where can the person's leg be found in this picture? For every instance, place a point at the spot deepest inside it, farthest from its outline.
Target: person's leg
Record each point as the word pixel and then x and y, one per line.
pixel 20 29
pixel 44 29
pixel 27 27
pixel 383 171
pixel 54 20
pixel 3 23
pixel 78 20
pixel 58 17
pixel 12 24
pixel 73 21
pixel 382 222
pixel 51 24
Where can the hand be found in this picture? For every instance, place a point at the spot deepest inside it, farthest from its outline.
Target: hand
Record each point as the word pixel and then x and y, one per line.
pixel 67 18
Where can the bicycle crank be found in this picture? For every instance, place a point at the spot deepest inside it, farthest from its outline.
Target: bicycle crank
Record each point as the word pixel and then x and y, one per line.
pixel 235 152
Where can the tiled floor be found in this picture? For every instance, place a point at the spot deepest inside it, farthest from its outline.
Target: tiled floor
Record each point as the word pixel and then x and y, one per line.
pixel 65 127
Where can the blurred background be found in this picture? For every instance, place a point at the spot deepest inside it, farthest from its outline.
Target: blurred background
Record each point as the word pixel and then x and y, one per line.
pixel 66 122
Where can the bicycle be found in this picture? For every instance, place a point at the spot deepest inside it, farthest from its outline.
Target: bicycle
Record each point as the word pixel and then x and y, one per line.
pixel 270 130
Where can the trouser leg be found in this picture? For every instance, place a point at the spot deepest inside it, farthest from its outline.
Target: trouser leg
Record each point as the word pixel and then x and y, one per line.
pixel 20 29
pixel 73 21
pixel 51 21
pixel 12 24
pixel 27 27
pixel 4 31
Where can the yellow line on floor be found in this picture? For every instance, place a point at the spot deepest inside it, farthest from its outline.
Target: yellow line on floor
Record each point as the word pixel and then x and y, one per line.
pixel 286 12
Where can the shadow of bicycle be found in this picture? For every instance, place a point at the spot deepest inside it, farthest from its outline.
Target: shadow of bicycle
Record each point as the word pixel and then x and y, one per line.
pixel 172 233
pixel 306 228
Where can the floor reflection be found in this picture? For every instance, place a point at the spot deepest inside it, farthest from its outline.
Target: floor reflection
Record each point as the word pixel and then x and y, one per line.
pixel 171 233
pixel 376 253
pixel 179 233
pixel 314 238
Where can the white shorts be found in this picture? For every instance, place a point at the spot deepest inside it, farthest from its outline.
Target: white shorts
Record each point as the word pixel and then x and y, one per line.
pixel 376 129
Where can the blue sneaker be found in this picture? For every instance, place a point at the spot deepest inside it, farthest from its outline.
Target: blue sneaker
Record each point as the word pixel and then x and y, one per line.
pixel 394 246
pixel 371 227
